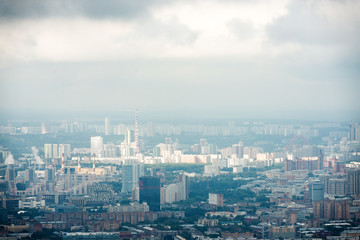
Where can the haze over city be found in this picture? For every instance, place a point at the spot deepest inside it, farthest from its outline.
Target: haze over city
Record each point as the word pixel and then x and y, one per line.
pixel 179 120
pixel 237 59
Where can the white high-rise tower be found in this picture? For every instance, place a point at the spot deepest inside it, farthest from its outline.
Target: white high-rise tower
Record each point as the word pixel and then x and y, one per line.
pixel 97 146
pixel 107 126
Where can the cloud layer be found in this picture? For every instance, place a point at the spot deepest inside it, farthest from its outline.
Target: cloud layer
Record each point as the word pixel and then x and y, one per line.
pixel 241 56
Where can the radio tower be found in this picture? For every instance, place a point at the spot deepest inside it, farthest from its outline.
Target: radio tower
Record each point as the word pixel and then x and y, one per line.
pixel 136 132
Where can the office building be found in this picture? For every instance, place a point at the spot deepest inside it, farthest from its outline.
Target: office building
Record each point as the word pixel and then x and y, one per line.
pixel 131 172
pixel 97 146
pixel 354 131
pixel 316 191
pixel 149 188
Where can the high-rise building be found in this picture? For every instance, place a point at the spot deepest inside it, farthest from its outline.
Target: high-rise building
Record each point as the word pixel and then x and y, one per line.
pixel 185 186
pixel 29 175
pixel 354 131
pixel 150 129
pixel 57 150
pixel 129 136
pixel 332 209
pixel 335 186
pixel 50 174
pixel 48 151
pixel 149 188
pixel 131 171
pixel 304 163
pixel 50 179
pixel 176 191
pixel 216 199
pixel 108 129
pixel 97 146
pixel 316 191
pixel 64 149
pixel 353 181
pixel 238 149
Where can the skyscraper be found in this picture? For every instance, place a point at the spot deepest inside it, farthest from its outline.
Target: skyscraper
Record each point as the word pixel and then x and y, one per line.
pixel 316 191
pixel 354 131
pixel 107 126
pixel 150 192
pixel 129 137
pixel 97 146
pixel 131 171
pixel 185 186
pixel 48 151
pixel 64 149
pixel 57 150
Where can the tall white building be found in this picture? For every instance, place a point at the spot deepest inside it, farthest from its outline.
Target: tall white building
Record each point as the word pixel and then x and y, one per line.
pixel 97 146
pixel 57 150
pixel 129 137
pixel 64 149
pixel 108 129
pixel 48 153
pixel 176 191
pixel 216 199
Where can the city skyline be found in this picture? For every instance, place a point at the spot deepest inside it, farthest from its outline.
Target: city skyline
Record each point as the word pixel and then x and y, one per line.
pixel 155 119
pixel 231 59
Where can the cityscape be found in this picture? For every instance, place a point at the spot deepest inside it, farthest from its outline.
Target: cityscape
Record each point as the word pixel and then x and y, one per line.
pixel 241 179
pixel 179 120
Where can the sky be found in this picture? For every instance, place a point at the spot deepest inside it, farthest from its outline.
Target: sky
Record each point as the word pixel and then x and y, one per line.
pixel 278 59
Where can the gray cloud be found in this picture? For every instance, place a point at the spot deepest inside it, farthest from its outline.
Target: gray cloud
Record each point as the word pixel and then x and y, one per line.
pixel 167 31
pixel 329 42
pixel 240 28
pixel 319 74
pixel 22 9
pixel 303 24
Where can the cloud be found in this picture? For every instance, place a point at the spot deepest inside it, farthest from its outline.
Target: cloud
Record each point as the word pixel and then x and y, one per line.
pixel 317 22
pixel 260 55
pixel 24 9
pixel 87 30
pixel 241 29
pixel 326 34
pixel 169 31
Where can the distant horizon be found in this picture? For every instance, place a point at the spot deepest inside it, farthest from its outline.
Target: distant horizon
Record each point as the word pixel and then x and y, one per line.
pixel 178 116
